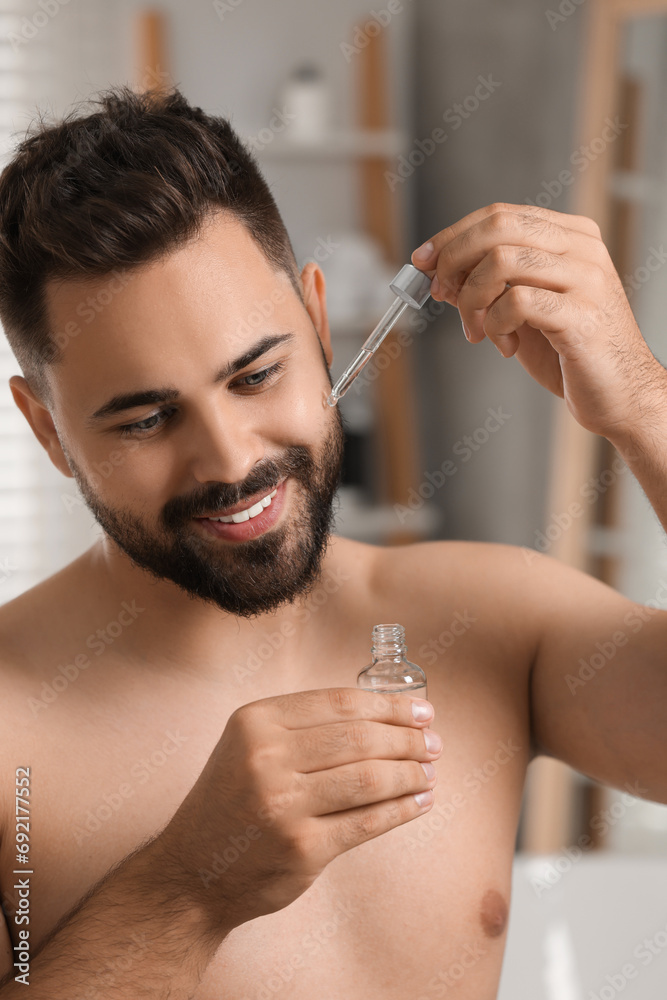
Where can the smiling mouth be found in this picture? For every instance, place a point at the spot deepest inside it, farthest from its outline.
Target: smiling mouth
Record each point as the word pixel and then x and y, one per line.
pixel 247 513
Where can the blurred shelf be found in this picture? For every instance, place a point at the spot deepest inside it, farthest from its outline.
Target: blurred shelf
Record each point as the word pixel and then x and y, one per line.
pixel 344 144
pixel 607 541
pixel 374 523
pixel 632 186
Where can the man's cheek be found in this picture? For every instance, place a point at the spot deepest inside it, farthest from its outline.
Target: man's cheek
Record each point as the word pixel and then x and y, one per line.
pixel 305 417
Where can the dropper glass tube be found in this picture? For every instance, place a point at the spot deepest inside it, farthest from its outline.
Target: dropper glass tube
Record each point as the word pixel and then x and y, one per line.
pixel 412 288
pixel 368 349
pixel 390 671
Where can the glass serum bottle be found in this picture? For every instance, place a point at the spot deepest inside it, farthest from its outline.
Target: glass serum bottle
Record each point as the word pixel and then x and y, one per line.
pixel 390 671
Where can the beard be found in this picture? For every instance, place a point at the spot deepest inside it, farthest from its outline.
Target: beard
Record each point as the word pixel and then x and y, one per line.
pixel 250 577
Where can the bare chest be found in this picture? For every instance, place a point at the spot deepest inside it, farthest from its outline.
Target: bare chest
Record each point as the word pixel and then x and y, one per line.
pixel 406 914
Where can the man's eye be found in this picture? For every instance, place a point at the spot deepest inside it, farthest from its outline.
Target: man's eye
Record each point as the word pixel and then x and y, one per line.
pixel 265 375
pixel 142 427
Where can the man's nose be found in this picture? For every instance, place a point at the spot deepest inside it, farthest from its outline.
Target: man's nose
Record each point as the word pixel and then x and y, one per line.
pixel 221 450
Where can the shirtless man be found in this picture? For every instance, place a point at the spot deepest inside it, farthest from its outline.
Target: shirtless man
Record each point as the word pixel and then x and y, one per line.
pixel 215 811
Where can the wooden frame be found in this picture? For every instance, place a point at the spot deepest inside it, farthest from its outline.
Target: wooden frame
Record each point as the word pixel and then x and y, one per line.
pixel 549 804
pixel 607 18
pixel 151 31
pixel 395 401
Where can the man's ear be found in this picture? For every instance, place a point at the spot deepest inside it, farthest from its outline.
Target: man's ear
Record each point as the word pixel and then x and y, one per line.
pixel 315 301
pixel 41 422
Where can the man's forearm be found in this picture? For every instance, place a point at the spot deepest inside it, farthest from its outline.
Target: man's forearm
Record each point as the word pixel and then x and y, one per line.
pixel 137 934
pixel 643 447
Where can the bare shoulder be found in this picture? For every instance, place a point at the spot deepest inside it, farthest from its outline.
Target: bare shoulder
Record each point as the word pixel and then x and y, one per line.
pixel 32 630
pixel 516 597
pixel 427 561
pixel 466 566
pixel 35 629
pixel 464 608
pixel 41 612
pixel 488 585
pixel 491 571
pixel 453 553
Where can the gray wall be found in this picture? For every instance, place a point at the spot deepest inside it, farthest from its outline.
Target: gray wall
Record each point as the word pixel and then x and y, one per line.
pixel 521 135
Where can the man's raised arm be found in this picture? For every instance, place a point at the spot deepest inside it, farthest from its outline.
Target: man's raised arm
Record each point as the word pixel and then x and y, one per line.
pixel 643 444
pixel 541 285
pixel 598 684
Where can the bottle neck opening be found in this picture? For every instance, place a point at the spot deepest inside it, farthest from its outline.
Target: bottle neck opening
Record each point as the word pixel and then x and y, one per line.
pixel 388 641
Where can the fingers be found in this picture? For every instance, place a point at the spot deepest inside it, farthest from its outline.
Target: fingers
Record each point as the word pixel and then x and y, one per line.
pixel 540 360
pixel 545 310
pixel 352 785
pixel 458 249
pixel 502 266
pixel 518 266
pixel 341 743
pixel 463 254
pixel 344 830
pixel 536 219
pixel 305 709
pixel 552 313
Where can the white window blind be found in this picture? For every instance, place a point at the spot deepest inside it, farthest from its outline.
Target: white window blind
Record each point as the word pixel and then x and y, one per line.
pixel 20 527
pixel 48 61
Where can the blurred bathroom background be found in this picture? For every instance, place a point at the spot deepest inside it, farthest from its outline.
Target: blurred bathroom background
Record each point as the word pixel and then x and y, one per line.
pixel 377 127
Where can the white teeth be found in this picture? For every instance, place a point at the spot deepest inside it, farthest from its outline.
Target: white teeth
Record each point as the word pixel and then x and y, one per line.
pixel 245 515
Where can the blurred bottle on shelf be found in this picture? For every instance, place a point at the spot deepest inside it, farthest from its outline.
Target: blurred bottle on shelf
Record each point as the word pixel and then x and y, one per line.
pixel 306 95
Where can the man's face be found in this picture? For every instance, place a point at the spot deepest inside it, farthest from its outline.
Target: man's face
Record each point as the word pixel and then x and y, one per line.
pixel 208 440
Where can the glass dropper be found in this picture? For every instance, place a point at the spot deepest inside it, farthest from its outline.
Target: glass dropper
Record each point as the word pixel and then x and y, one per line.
pixel 412 288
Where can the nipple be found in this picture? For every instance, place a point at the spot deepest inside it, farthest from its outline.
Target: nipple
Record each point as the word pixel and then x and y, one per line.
pixel 493 913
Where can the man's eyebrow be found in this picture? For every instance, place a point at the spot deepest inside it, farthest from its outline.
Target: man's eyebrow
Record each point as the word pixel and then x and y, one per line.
pixel 129 400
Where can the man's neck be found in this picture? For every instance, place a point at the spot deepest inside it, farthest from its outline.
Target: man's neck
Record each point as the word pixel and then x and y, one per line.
pixel 162 623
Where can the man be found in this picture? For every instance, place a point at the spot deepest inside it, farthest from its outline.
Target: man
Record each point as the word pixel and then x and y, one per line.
pixel 214 810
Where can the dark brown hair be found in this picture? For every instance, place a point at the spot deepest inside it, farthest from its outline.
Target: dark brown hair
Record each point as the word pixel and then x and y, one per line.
pixel 118 187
